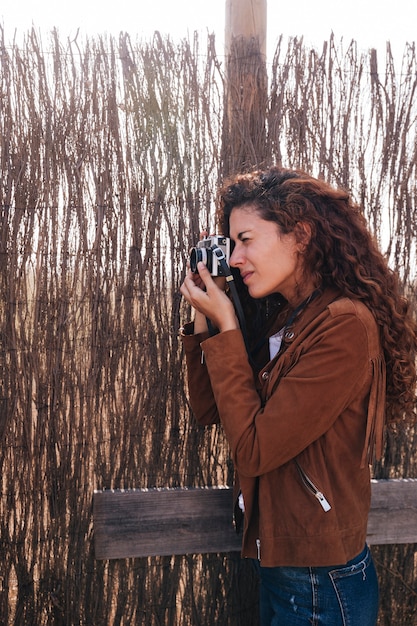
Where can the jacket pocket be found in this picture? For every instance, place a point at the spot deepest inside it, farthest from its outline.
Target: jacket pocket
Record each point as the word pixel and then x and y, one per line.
pixel 313 489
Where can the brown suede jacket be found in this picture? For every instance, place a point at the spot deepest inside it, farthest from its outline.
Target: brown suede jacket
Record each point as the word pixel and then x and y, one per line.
pixel 301 432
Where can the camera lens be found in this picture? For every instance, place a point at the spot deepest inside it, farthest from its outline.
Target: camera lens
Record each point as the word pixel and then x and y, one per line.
pixel 194 254
pixel 199 254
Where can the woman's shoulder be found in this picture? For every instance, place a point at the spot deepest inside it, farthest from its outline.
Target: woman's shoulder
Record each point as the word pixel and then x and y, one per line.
pixel 361 315
pixel 352 306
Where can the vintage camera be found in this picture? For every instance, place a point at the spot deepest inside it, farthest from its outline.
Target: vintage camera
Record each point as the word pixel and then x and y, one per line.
pixel 203 252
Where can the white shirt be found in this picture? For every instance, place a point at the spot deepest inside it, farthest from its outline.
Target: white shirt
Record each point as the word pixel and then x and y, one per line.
pixel 275 343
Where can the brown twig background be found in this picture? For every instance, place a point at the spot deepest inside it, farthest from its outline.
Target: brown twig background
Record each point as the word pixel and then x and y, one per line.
pixel 111 154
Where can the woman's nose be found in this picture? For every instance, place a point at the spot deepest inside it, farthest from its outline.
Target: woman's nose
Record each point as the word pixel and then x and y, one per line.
pixel 235 258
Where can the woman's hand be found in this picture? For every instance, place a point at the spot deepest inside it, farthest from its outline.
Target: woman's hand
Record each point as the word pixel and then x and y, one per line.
pixel 208 299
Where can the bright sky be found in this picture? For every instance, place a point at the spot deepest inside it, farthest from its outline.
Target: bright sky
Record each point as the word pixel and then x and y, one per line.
pixel 370 22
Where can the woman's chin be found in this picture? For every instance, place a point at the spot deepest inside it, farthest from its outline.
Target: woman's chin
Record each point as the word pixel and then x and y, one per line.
pixel 257 293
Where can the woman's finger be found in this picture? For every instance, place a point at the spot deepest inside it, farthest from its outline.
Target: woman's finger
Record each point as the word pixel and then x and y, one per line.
pixel 203 272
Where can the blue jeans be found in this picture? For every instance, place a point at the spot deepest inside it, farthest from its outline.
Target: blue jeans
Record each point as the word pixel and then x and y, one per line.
pixel 344 595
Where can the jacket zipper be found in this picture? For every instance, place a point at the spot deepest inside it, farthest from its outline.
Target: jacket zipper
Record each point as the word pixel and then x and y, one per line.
pixel 308 483
pixel 258 548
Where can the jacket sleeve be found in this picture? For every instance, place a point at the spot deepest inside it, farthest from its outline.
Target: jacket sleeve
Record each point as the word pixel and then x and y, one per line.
pixel 298 404
pixel 199 386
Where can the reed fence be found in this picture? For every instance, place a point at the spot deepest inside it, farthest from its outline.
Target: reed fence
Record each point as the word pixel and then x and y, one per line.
pixel 111 152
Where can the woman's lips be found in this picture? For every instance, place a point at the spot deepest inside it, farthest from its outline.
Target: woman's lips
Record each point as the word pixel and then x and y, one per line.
pixel 246 276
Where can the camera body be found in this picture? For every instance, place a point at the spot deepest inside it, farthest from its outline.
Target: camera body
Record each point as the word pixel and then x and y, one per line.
pixel 203 252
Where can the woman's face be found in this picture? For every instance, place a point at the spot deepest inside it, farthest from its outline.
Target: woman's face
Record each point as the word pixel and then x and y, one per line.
pixel 268 261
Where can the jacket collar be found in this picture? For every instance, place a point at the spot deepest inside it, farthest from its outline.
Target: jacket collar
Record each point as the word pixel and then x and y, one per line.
pixel 307 314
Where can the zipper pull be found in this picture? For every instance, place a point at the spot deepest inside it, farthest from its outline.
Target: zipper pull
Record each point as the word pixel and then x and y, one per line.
pixel 258 548
pixel 324 503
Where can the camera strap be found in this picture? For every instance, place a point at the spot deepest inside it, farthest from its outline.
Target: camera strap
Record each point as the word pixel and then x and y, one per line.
pixel 227 272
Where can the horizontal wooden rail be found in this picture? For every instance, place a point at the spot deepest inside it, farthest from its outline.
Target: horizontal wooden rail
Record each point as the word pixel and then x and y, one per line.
pixel 164 522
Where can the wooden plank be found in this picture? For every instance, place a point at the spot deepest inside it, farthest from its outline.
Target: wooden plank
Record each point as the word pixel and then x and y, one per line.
pixel 393 516
pixel 164 522
pixel 159 522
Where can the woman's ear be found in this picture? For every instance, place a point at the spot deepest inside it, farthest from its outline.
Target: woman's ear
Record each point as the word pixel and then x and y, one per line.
pixel 303 232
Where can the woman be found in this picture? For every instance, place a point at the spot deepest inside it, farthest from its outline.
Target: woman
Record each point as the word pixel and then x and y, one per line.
pixel 330 364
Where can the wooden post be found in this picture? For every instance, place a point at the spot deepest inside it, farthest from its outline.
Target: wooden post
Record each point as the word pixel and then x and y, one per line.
pixel 247 19
pixel 246 97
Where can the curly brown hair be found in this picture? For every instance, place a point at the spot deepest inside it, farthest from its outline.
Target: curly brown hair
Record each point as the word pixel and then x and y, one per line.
pixel 341 253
